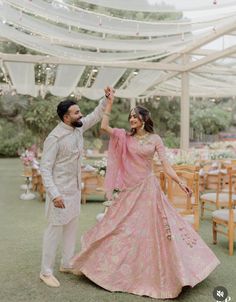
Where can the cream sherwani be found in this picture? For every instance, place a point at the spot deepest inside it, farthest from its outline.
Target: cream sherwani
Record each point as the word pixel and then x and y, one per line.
pixel 61 173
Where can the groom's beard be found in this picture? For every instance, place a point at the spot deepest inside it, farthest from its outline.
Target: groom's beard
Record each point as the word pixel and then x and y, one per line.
pixel 77 124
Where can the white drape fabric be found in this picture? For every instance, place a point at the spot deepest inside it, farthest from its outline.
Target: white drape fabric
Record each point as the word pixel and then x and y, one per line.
pixel 67 78
pixel 106 76
pixel 58 29
pixel 62 36
pixel 101 23
pixel 207 85
pixel 22 76
pixel 39 44
pixel 159 6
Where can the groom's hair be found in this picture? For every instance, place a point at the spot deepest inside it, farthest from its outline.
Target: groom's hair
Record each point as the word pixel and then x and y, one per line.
pixel 64 106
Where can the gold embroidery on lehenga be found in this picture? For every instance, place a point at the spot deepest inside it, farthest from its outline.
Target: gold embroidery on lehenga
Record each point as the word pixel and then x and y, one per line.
pixel 167 227
pixel 187 237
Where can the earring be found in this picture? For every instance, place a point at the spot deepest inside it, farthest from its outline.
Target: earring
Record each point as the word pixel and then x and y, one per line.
pixel 143 125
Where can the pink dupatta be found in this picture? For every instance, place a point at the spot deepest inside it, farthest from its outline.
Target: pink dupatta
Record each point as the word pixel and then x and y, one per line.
pixel 126 167
pixel 116 152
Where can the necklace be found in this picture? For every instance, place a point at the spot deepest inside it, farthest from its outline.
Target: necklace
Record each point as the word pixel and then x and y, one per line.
pixel 142 138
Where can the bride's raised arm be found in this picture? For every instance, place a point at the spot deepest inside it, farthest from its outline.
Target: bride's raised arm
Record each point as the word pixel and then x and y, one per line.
pixel 109 92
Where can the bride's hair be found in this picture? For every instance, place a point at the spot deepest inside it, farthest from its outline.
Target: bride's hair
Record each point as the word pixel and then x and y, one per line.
pixel 143 115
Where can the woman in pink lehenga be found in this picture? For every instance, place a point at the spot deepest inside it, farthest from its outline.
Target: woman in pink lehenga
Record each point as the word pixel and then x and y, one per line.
pixel 142 245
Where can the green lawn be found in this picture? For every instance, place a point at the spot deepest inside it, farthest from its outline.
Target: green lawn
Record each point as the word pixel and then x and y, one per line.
pixel 22 224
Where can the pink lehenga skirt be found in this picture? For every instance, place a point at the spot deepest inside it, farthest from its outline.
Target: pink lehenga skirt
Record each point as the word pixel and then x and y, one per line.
pixel 143 246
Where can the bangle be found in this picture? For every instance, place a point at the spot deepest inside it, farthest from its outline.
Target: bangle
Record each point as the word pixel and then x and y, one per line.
pixel 107 114
pixel 107 95
pixel 181 183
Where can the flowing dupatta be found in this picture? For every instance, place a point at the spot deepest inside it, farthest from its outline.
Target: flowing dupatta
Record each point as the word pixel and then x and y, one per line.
pixel 115 162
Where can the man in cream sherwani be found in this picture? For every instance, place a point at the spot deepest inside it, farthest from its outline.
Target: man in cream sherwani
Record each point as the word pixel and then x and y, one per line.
pixel 61 173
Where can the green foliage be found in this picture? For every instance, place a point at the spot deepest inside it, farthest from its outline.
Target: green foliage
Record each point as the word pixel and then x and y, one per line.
pixel 171 140
pixel 13 139
pixel 129 14
pixel 11 106
pixel 41 117
pixel 11 47
pixel 165 115
pixel 210 119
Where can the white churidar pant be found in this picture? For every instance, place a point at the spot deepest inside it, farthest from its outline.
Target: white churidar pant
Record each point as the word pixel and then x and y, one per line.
pixel 51 239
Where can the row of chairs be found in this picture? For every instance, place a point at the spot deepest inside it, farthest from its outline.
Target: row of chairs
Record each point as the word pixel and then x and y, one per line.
pixel 220 202
pixel 92 184
pixel 188 207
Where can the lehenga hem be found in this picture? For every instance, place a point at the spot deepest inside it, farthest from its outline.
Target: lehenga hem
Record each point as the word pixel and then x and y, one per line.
pixel 161 295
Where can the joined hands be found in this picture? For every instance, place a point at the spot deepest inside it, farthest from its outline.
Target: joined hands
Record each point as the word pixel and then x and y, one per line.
pixel 109 93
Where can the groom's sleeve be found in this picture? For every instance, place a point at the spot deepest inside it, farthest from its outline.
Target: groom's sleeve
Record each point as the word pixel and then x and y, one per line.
pixel 94 117
pixel 49 155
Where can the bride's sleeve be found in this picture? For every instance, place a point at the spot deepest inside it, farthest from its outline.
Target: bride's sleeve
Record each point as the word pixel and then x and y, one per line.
pixel 116 152
pixel 117 137
pixel 160 149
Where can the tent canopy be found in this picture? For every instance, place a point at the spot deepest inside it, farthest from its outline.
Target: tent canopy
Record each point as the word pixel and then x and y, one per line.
pixel 140 58
pixel 83 48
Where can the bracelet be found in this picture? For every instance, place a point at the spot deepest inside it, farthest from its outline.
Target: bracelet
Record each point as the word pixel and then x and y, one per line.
pixel 107 114
pixel 181 183
pixel 107 95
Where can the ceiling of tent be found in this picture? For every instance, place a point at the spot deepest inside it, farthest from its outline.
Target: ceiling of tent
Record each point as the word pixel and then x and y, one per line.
pixel 84 45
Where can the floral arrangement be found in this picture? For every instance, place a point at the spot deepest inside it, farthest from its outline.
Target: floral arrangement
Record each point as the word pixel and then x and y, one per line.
pixel 181 157
pixel 27 157
pixel 191 156
pixel 101 166
pixel 222 154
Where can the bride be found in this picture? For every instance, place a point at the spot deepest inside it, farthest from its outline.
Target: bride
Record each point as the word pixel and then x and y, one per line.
pixel 142 245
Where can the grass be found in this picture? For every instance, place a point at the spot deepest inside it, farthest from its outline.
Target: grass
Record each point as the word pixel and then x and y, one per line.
pixel 22 224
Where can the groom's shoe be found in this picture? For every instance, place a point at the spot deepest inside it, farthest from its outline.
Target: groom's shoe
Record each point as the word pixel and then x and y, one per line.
pixel 67 270
pixel 50 280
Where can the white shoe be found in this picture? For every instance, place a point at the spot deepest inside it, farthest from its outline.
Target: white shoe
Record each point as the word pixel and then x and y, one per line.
pixel 50 280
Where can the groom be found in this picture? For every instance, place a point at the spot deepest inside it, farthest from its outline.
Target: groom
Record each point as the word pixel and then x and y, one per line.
pixel 61 173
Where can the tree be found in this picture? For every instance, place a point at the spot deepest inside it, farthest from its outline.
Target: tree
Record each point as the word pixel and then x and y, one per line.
pixel 41 117
pixel 165 115
pixel 209 118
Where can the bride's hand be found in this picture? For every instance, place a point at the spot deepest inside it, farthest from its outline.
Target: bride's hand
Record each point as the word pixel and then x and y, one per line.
pixel 109 93
pixel 186 189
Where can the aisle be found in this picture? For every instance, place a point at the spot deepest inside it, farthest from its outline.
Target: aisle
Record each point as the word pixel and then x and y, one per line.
pixel 22 224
